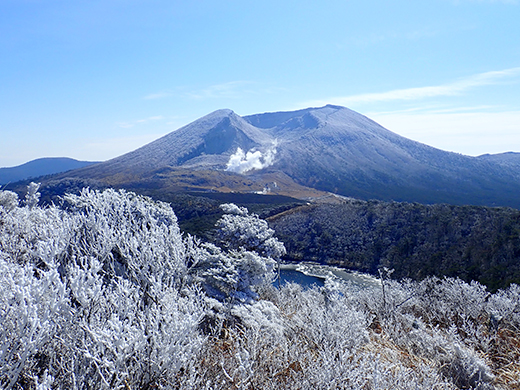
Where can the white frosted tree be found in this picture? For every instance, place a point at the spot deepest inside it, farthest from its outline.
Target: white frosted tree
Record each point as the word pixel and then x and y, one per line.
pixel 33 310
pixel 245 259
pixel 8 200
pixel 131 235
pixel 90 293
pixel 239 230
pixel 32 197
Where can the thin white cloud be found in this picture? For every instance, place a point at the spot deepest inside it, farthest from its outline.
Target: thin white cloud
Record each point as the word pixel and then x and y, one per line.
pixel 460 110
pixel 129 124
pixel 158 95
pixel 471 133
pixel 125 125
pixel 433 109
pixel 450 89
pixel 101 149
pixel 487 1
pixel 232 89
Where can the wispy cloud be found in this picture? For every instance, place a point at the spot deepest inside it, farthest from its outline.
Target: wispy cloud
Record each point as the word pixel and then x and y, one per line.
pixel 434 109
pixel 487 1
pixel 129 124
pixel 158 95
pixel 232 89
pixel 375 38
pixel 472 132
pixel 450 89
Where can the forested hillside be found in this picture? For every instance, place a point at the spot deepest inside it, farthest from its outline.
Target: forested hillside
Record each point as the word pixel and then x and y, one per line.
pixel 469 242
pixel 105 292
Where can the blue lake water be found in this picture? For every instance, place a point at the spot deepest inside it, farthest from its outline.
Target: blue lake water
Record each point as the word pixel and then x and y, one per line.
pixel 310 274
pixel 294 276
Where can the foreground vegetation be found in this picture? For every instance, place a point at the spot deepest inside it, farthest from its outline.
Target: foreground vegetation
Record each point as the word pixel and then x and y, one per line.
pixel 103 291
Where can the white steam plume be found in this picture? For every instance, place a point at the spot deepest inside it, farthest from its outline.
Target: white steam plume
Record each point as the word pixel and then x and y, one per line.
pixel 241 162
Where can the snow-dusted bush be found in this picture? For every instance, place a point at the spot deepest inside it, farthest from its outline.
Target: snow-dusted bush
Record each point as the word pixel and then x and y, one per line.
pixel 104 292
pixel 441 320
pixel 504 306
pixel 214 270
pixel 246 259
pixel 8 200
pixel 33 309
pixel 143 338
pixel 240 230
pixel 133 236
pixel 32 197
pixel 90 293
pixel 33 234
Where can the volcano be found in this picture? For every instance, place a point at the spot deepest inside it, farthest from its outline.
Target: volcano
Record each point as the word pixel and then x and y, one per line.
pixel 308 153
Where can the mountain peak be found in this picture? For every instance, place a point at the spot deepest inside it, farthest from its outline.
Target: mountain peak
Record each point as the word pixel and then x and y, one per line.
pixel 329 148
pixel 334 106
pixel 223 112
pixel 212 118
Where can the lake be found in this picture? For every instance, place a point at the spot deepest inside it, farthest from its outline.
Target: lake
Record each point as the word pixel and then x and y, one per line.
pixel 311 274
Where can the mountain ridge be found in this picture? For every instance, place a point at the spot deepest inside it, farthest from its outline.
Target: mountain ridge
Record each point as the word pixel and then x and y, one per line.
pixel 328 149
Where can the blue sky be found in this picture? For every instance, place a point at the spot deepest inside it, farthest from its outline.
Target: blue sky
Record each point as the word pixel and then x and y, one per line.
pixel 94 79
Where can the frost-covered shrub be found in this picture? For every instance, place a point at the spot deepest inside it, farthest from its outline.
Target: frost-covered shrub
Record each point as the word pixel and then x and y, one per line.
pixel 8 200
pixel 139 337
pixel 438 320
pixel 33 309
pixel 240 230
pixel 504 306
pixel 214 270
pixel 90 293
pixel 454 300
pixel 327 319
pixel 229 275
pixel 246 259
pixel 261 315
pixel 32 197
pixel 35 235
pixel 133 236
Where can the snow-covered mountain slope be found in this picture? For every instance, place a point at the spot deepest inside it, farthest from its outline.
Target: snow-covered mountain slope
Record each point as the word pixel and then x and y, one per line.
pixel 330 149
pixel 509 159
pixel 338 150
pixel 206 143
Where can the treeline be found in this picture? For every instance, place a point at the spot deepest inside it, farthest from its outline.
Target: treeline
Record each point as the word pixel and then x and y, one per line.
pixel 469 242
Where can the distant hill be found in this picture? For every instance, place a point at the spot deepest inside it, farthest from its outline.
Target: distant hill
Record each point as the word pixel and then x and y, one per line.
pixel 306 154
pixel 40 167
